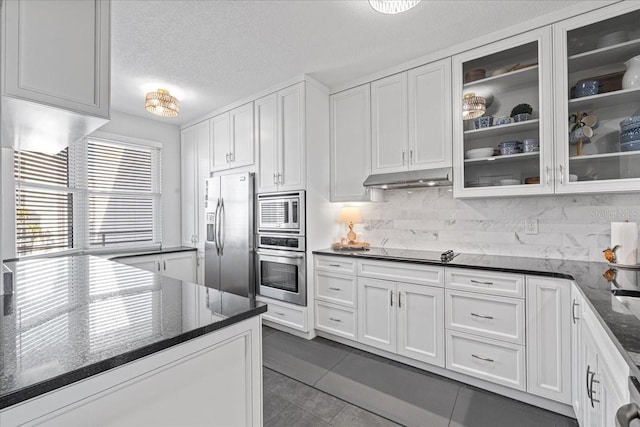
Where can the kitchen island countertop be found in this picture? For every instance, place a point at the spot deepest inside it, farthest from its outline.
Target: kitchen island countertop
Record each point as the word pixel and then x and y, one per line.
pixel 619 322
pixel 73 317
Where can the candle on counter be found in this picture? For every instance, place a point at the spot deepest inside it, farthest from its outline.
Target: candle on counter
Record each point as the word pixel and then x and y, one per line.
pixel 625 234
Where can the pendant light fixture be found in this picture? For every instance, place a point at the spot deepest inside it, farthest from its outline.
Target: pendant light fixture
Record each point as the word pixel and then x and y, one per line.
pixel 473 106
pixel 391 7
pixel 162 104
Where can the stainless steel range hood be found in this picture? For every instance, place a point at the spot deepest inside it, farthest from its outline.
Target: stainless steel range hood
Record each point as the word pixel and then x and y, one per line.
pixel 442 177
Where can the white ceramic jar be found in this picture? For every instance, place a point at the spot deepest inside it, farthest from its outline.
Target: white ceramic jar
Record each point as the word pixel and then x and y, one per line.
pixel 631 78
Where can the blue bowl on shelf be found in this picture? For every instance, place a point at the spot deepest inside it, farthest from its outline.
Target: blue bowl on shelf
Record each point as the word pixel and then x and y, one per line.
pixel 587 88
pixel 630 146
pixel 483 122
pixel 630 135
pixel 630 123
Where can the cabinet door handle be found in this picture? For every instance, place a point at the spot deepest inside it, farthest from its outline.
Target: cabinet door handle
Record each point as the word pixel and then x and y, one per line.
pixel 548 176
pixel 399 299
pixel 561 174
pixel 403 156
pixel 410 157
pixel 164 265
pixel 275 175
pixel 226 156
pixel 593 380
pixel 391 298
pixel 587 381
pixel 481 283
pixel 335 289
pixel 278 313
pixel 482 316
pixel 158 265
pixel 486 359
pixel 573 311
pixel 335 320
pixel 280 178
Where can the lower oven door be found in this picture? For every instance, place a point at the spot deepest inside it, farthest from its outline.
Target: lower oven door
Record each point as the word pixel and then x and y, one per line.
pixel 282 275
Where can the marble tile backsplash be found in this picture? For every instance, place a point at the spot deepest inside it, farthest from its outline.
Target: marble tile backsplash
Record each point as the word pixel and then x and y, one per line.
pixel 573 227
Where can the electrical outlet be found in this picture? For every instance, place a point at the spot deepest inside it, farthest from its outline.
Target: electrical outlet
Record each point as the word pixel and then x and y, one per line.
pixel 531 225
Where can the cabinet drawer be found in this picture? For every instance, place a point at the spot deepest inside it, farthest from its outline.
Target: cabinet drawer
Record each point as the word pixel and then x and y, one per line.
pixel 335 264
pixel 486 282
pixel 494 317
pixel 401 272
pixel 491 360
pixel 285 315
pixel 336 288
pixel 336 320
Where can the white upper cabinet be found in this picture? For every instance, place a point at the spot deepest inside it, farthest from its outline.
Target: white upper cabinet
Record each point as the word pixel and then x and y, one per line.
pixel 590 55
pixel 350 143
pixel 430 123
pixel 232 138
pixel 516 70
pixel 280 135
pixel 389 137
pixel 55 54
pixel 194 159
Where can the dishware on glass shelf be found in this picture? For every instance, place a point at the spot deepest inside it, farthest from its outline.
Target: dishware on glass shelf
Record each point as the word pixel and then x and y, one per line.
pixel 521 112
pixel 532 180
pixel 478 153
pixel 510 147
pixel 530 145
pixel 522 117
pixel 629 136
pixel 630 146
pixel 573 178
pixel 611 39
pixel 587 88
pixel 483 122
pixel 630 123
pixel 589 120
pixel 631 78
pixel 509 182
pixel 584 133
pixel 475 74
pixel 502 120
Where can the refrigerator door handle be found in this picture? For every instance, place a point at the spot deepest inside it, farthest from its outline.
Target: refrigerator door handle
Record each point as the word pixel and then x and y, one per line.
pixel 221 233
pixel 215 227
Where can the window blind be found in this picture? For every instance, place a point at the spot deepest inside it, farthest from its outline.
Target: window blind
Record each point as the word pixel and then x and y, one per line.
pixel 95 194
pixel 44 204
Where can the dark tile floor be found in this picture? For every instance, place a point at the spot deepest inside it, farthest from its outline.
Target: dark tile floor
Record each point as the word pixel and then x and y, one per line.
pixel 323 383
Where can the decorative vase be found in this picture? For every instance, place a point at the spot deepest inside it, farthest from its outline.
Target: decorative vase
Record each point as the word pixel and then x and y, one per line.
pixel 631 78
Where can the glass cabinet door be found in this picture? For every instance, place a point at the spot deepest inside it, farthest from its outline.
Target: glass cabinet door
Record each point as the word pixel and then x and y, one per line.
pixel 598 100
pixel 503 138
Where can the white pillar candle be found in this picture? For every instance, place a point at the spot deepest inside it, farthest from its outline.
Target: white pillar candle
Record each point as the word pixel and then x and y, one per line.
pixel 625 234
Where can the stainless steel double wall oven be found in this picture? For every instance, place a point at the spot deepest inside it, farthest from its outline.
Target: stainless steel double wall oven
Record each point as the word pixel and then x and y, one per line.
pixel 281 244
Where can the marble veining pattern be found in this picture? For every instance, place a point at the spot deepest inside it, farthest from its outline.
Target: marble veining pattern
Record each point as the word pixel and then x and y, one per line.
pixel 575 227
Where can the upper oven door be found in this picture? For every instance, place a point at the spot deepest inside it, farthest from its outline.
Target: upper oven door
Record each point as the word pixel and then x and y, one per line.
pixel 282 213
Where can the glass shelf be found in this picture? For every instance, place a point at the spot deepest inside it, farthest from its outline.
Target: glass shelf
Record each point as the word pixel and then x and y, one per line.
pixel 616 54
pixel 501 130
pixel 509 157
pixel 602 100
pixel 604 156
pixel 512 78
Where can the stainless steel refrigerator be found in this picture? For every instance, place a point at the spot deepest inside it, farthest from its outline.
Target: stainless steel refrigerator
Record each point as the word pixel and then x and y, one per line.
pixel 229 250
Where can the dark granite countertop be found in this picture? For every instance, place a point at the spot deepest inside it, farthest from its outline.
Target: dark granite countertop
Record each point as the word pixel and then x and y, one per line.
pixel 619 316
pixel 73 317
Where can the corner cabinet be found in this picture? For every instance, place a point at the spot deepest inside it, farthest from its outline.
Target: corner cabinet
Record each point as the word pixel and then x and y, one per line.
pixel 194 158
pixel 232 138
pixel 350 143
pixel 411 119
pixel 517 71
pixel 586 49
pixel 59 85
pixel 280 139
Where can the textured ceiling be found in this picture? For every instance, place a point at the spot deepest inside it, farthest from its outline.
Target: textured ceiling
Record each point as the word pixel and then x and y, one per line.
pixel 212 53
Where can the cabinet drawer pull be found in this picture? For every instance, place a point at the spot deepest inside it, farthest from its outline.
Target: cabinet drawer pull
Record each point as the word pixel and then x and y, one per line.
pixel 483 316
pixel 335 320
pixel 481 283
pixel 335 265
pixel 335 289
pixel 278 313
pixel 486 359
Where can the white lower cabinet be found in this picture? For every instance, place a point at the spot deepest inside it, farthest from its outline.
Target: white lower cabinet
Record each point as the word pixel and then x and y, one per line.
pixel 340 321
pixel 600 382
pixel 496 361
pixel 549 338
pixel 402 318
pixel 285 314
pixel 177 265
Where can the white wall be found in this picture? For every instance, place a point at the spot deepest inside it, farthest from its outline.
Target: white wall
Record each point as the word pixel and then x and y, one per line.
pixel 570 227
pixel 169 136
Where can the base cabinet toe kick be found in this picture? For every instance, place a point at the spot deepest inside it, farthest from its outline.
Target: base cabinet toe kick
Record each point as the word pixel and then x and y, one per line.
pixel 512 334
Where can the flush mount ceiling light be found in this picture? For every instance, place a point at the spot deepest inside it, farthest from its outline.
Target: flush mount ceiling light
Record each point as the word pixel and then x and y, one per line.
pixel 391 7
pixel 162 104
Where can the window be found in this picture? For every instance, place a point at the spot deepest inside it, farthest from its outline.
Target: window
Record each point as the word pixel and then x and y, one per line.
pixel 95 194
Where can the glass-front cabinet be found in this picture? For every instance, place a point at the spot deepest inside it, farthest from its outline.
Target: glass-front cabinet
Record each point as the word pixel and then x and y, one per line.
pixel 503 122
pixel 597 100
